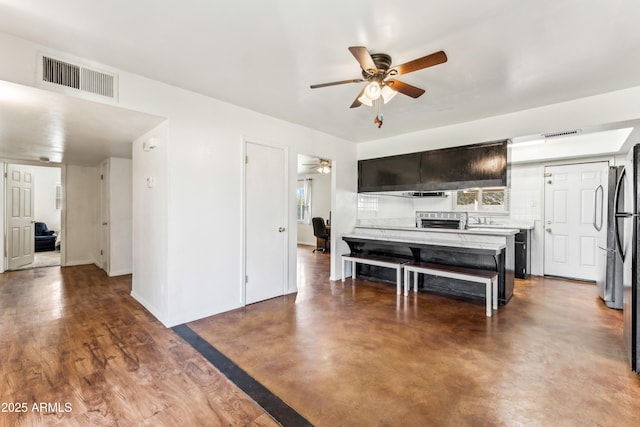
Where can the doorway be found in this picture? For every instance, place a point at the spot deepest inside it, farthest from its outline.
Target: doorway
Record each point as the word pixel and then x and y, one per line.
pixel 570 239
pixel 33 208
pixel 313 199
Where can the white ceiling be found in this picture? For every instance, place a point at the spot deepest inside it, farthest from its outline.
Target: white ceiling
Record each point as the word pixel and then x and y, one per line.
pixel 37 124
pixel 504 55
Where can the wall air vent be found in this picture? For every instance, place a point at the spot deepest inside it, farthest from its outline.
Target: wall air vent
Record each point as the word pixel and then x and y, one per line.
pixel 561 133
pixel 76 78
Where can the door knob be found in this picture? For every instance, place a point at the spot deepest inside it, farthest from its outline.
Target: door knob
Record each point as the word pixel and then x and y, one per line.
pixel 280 229
pixel 104 223
pixel 548 230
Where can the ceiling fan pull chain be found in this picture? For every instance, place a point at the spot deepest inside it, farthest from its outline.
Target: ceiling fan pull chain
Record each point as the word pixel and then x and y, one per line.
pixel 377 105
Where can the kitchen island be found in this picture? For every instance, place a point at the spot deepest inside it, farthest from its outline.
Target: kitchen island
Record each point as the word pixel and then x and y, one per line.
pixel 484 248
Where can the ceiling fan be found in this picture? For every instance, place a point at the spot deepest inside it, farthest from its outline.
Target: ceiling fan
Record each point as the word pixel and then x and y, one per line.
pixel 377 70
pixel 320 166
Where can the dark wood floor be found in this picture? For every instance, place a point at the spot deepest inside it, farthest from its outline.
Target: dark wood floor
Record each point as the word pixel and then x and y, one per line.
pixel 74 340
pixel 356 354
pixel 352 354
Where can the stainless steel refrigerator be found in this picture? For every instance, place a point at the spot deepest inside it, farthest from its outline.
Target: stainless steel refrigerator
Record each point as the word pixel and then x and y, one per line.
pixel 609 279
pixel 627 233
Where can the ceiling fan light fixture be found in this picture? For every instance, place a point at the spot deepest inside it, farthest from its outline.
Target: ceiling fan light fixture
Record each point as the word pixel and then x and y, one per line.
pixel 387 93
pixel 365 101
pixel 372 91
pixel 325 166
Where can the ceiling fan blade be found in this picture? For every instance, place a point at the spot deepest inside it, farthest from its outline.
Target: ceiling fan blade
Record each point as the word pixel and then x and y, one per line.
pixel 420 63
pixel 356 102
pixel 341 82
pixel 364 59
pixel 405 88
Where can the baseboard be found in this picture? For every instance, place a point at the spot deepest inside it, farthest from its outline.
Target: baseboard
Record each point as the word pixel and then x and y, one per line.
pixel 68 263
pixel 150 308
pixel 119 272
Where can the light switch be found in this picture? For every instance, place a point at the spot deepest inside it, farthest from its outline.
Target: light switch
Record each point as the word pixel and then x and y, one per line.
pixel 150 182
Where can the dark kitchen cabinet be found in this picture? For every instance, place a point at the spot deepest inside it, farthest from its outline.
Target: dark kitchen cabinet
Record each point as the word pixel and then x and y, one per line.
pixel 469 166
pixel 393 173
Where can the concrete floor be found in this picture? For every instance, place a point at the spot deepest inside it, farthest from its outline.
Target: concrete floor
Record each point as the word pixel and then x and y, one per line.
pixel 356 354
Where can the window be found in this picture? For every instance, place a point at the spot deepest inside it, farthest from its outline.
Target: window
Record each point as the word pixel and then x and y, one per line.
pixel 303 200
pixel 482 200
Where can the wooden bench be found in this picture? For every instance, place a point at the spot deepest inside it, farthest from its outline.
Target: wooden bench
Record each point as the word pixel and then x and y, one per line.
pixel 379 261
pixel 489 278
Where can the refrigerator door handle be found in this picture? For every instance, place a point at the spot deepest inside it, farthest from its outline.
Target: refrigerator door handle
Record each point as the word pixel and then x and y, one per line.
pixel 595 208
pixel 618 214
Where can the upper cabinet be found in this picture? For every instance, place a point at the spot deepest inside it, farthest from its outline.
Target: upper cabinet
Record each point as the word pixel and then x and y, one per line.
pixel 394 173
pixel 469 166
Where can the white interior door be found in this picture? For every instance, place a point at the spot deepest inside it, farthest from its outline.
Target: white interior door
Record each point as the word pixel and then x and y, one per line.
pixel 20 216
pixel 265 221
pixel 571 240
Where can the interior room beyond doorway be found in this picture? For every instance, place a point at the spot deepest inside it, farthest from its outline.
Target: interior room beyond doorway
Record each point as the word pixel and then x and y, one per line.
pixel 313 203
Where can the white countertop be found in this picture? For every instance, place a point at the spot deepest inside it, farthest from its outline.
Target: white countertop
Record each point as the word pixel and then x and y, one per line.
pixel 484 229
pixel 488 239
pixel 518 225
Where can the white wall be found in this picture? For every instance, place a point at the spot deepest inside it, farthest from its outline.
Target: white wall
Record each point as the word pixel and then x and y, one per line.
pixel 320 205
pixel 120 216
pixel 150 223
pixel 81 209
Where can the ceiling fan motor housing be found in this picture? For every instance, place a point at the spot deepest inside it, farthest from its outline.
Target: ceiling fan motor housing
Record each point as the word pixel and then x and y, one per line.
pixel 383 63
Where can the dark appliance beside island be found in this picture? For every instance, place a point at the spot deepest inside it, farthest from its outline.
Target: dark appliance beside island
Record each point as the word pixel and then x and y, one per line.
pixel 627 232
pixel 609 280
pixel 522 254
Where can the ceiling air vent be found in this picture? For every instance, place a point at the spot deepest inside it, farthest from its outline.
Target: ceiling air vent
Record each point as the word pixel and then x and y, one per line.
pixel 78 77
pixel 561 133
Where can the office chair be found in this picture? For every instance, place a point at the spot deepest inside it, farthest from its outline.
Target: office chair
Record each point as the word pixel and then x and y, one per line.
pixel 320 231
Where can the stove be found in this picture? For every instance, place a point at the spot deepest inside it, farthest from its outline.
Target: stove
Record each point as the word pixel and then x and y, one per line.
pixel 440 219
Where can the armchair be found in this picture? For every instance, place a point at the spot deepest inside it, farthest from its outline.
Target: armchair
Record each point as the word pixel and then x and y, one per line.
pixel 45 239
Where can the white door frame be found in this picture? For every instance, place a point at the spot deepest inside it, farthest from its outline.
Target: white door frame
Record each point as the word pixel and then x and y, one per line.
pixel 285 285
pixel 104 221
